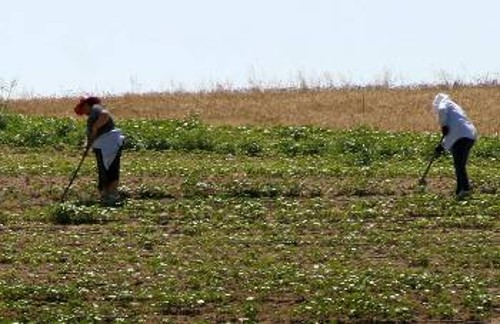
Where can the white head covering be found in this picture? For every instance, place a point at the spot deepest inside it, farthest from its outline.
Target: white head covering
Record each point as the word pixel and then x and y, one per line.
pixel 440 97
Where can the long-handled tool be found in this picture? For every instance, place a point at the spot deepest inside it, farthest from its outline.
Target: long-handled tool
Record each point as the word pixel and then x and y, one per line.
pixel 75 173
pixel 423 181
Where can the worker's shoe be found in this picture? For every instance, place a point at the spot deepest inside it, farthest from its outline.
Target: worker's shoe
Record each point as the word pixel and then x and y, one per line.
pixel 462 194
pixel 111 200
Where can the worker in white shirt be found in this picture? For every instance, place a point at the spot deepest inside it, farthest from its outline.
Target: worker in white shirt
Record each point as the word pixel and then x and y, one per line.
pixel 459 135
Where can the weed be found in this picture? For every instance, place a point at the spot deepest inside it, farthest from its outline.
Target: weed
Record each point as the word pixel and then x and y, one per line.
pixel 68 213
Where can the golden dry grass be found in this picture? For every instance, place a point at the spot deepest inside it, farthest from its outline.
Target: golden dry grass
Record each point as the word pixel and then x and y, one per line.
pixel 401 109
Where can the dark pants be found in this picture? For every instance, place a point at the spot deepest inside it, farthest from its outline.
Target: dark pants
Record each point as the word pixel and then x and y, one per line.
pixel 460 151
pixel 110 175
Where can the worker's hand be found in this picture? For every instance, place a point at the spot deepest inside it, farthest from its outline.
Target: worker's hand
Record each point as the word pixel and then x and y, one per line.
pixel 88 143
pixel 439 150
pixel 445 130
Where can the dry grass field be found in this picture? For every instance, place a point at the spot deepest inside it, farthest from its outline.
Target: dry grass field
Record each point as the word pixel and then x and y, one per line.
pixel 400 109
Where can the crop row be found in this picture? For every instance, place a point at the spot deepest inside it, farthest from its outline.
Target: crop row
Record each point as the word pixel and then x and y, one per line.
pixel 362 146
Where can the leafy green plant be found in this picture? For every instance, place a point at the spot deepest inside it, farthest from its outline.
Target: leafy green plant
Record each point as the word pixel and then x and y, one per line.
pixel 3 121
pixel 68 213
pixel 145 191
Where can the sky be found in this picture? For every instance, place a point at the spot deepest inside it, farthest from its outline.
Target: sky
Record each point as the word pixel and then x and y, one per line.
pixel 65 48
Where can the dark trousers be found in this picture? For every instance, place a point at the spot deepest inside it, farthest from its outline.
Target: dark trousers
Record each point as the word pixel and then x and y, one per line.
pixel 110 175
pixel 460 151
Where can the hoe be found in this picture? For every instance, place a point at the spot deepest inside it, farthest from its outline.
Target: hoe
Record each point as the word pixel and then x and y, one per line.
pixel 423 181
pixel 75 173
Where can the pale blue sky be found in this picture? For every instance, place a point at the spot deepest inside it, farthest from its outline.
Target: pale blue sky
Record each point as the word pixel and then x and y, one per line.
pixel 63 47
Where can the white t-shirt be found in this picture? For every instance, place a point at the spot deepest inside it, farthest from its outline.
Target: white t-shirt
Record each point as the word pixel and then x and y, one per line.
pixel 452 115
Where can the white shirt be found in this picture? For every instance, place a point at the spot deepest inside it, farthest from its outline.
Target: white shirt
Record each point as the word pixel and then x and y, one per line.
pixel 452 115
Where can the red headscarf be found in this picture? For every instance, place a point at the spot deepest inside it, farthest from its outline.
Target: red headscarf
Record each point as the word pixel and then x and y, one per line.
pixel 80 107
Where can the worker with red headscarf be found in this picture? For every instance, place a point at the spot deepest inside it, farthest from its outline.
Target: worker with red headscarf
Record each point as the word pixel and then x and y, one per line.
pixel 106 141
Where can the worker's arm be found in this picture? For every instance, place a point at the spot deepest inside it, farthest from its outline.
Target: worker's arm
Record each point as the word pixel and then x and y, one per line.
pixel 100 121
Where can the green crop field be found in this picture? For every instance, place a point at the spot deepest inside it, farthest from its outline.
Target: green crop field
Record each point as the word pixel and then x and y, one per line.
pixel 245 224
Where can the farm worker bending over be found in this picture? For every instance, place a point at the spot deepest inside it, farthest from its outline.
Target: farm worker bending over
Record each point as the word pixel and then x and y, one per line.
pixel 459 137
pixel 107 142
